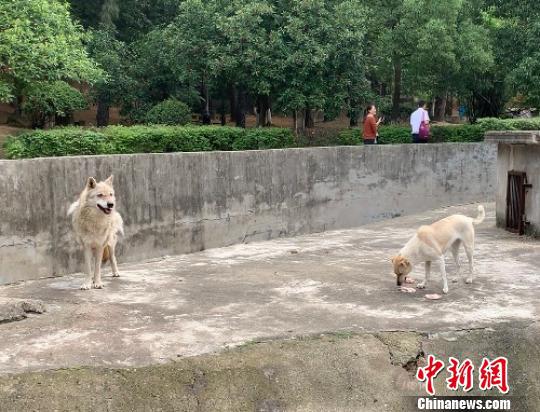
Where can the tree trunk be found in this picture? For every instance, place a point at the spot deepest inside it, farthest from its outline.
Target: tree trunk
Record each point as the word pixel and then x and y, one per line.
pixel 256 110
pixel 263 111
pixel 396 94
pixel 240 116
pixel 439 108
pixel 443 107
pixel 102 114
pixel 309 122
pixel 205 107
pixel 353 119
pixel 223 113
pixel 233 102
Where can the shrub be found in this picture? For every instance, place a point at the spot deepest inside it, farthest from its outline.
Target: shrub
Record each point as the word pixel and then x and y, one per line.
pixel 170 112
pixel 348 137
pixel 143 139
pixel 264 138
pixel 46 100
pixel 155 139
pixel 491 123
pixel 220 138
pixel 394 134
pixel 463 133
pixel 402 134
pixel 56 142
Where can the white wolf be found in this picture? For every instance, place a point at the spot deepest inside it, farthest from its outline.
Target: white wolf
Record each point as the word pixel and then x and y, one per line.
pixel 97 224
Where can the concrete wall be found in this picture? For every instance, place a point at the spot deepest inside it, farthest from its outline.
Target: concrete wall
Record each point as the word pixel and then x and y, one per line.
pixel 521 158
pixel 184 202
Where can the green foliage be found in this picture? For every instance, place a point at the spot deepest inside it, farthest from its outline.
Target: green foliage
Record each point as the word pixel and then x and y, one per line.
pixel 264 138
pixel 322 63
pixel 143 139
pixel 169 112
pixel 348 137
pixel 161 139
pixel 440 134
pixel 291 55
pixel 394 134
pixel 464 133
pixel 56 142
pixel 40 42
pixel 156 139
pixel 44 100
pixel 491 123
pixel 114 57
pixel 402 134
pixel 515 28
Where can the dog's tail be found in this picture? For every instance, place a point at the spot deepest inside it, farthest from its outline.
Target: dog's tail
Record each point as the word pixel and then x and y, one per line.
pixel 481 215
pixel 72 207
pixel 106 254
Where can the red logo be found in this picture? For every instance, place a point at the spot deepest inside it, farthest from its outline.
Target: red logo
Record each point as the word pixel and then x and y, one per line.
pixel 491 374
pixel 429 373
pixel 494 374
pixel 460 375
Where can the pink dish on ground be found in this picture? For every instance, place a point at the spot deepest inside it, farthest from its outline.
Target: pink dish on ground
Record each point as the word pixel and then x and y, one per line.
pixel 433 296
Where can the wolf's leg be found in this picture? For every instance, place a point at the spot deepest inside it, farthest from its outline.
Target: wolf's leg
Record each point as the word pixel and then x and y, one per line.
pixel 423 284
pixel 88 257
pixel 442 268
pixel 114 266
pixel 98 255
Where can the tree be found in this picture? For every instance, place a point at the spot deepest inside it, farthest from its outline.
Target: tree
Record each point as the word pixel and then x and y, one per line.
pixel 47 102
pixel 248 54
pixel 39 42
pixel 394 25
pixel 318 72
pixel 190 45
pixel 115 86
pixel 516 28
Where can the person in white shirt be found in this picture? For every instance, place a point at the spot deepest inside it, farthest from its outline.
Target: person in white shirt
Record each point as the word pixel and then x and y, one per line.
pixel 417 117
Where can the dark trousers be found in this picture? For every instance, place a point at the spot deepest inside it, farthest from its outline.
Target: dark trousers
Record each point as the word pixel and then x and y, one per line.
pixel 369 141
pixel 416 138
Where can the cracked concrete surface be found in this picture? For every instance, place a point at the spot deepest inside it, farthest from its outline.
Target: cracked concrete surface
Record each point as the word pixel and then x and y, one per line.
pixel 205 302
pixel 343 372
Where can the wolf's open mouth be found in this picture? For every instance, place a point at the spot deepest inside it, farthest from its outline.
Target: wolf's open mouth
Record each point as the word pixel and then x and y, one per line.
pixel 105 210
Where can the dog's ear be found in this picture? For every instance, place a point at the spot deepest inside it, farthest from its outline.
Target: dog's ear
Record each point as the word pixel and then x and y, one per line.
pixel 91 183
pixel 405 263
pixel 109 180
pixel 393 259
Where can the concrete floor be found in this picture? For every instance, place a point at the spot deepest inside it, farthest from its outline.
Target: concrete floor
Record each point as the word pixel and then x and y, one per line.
pixel 204 302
